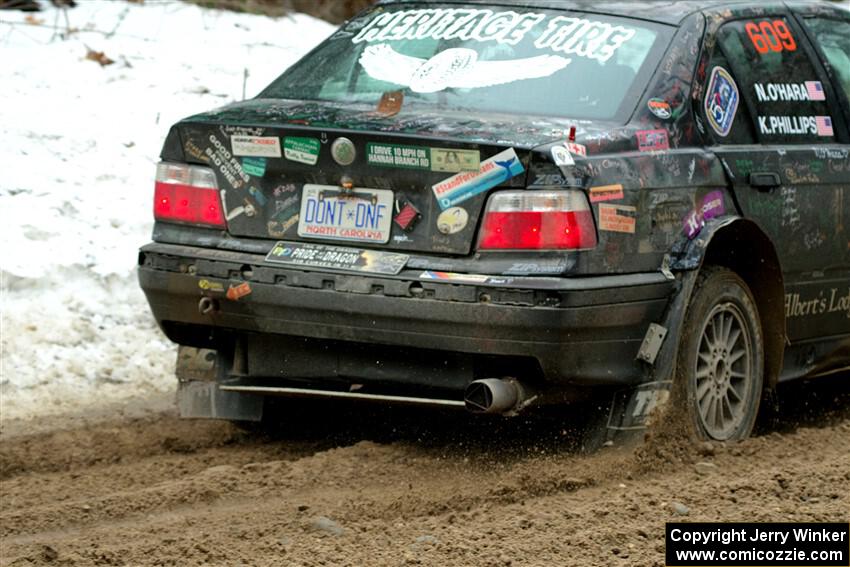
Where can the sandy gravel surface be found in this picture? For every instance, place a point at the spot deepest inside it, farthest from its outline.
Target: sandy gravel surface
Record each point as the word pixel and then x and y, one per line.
pixel 364 486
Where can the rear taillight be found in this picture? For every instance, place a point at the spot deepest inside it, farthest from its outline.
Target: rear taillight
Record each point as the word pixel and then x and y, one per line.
pixel 187 194
pixel 537 220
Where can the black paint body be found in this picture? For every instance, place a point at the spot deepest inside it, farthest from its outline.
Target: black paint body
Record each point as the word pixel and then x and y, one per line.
pixel 556 319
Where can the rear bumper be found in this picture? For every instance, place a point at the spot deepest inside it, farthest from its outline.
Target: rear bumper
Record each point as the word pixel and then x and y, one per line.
pixel 579 331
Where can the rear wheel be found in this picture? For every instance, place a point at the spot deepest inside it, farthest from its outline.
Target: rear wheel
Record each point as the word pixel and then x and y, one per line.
pixel 721 357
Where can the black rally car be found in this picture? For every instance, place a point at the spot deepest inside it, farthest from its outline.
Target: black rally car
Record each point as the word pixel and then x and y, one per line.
pixel 496 204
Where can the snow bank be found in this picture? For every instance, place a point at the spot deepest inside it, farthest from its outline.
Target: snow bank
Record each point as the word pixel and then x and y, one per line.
pixel 78 144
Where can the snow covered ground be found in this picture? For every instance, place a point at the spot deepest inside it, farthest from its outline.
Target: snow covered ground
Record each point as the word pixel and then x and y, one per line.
pixel 78 144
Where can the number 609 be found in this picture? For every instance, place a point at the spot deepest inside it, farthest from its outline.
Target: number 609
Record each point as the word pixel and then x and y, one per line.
pixel 771 36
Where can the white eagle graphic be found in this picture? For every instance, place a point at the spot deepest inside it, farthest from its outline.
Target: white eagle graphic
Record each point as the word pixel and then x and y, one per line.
pixel 453 68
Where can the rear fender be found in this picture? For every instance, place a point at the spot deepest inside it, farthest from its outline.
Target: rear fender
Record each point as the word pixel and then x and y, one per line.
pixel 732 242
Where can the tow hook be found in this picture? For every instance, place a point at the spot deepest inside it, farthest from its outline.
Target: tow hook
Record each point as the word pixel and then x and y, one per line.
pixel 207 306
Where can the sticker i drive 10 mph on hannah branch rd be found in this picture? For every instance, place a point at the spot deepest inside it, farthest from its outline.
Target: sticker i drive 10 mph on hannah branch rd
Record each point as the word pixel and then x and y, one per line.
pixel 361 215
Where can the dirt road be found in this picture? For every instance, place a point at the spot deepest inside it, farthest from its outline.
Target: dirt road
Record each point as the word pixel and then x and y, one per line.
pixel 375 487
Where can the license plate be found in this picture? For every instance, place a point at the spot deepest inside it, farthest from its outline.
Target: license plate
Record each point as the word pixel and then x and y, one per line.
pixel 362 215
pixel 336 258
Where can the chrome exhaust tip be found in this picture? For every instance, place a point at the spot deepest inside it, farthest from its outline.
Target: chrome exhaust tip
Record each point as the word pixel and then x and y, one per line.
pixel 494 395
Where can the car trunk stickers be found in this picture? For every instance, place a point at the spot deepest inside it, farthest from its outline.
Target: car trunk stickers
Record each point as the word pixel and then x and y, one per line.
pixel 617 218
pixel 721 101
pixel 455 161
pixel 255 166
pixel 255 146
pixel 258 196
pixel 456 67
pixel 229 166
pixel 405 157
pixel 576 149
pixel 498 169
pixel 407 216
pixel 606 193
pixel 343 151
pixel 301 150
pixel 452 220
pixel 337 257
pixel 652 140
pixel 561 156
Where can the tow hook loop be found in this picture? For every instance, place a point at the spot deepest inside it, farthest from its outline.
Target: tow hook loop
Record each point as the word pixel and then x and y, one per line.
pixel 207 306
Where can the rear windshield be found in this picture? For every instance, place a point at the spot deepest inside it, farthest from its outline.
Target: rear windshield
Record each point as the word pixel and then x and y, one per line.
pixel 543 62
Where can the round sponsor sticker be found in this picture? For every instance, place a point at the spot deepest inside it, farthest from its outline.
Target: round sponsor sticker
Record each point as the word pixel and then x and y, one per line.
pixel 343 151
pixel 660 108
pixel 561 156
pixel 452 221
pixel 721 101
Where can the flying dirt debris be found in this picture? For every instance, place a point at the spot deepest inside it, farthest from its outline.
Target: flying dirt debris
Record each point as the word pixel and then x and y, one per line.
pixel 346 485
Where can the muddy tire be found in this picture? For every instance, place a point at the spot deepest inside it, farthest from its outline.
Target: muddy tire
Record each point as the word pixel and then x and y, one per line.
pixel 720 364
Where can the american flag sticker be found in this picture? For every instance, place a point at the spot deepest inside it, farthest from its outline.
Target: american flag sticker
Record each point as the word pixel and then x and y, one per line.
pixel 824 125
pixel 815 90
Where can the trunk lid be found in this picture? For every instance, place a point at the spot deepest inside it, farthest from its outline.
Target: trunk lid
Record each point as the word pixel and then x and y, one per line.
pixel 313 172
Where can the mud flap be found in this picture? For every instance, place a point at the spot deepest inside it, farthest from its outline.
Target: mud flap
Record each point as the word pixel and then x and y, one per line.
pixel 201 399
pixel 631 407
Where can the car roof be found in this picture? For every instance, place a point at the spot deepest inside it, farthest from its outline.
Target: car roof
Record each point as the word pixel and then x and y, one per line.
pixel 661 11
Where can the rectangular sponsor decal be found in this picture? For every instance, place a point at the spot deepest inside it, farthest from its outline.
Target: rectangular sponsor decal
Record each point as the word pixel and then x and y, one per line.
pixel 753 544
pixel 606 193
pixel 336 258
pixel 403 157
pixel 498 169
pixel 256 146
pixel 617 218
pixel 235 292
pixel 455 161
pixel 452 277
pixel 426 159
pixel 302 150
pixel 577 149
pixel 711 206
pixel 652 140
pixel 255 166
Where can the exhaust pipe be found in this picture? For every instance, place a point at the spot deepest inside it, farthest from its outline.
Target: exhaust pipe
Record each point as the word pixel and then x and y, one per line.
pixel 495 395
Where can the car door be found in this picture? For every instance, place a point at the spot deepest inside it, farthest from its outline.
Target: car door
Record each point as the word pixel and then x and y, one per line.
pixel 792 179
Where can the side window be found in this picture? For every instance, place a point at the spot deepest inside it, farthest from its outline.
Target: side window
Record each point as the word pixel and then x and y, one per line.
pixel 728 119
pixel 779 83
pixel 833 37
